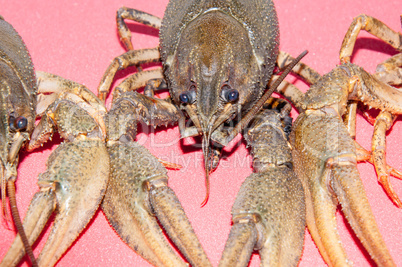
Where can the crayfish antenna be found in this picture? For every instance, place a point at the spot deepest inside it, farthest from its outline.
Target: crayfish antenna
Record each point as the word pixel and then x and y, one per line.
pixel 205 150
pixel 18 223
pixel 204 202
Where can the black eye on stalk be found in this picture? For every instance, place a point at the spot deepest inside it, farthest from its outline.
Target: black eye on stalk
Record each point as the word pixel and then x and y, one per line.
pixel 21 123
pixel 229 94
pixel 189 96
pixel 232 95
pixel 185 97
pixel 17 124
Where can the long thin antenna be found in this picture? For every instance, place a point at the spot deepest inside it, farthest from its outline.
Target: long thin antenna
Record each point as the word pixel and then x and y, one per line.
pixel 18 223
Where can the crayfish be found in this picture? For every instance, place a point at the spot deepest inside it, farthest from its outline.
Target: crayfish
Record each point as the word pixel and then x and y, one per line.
pixel 325 153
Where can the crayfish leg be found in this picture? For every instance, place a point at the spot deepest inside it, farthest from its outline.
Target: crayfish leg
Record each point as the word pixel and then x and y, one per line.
pixel 373 26
pixel 130 58
pixel 383 122
pixel 390 71
pixel 136 81
pixel 135 15
pixel 304 71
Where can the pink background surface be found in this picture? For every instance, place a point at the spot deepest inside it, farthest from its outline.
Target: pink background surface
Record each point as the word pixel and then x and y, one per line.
pixel 78 40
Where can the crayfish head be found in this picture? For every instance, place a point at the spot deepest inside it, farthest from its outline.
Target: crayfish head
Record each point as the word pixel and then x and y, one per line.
pixel 214 69
pixel 214 75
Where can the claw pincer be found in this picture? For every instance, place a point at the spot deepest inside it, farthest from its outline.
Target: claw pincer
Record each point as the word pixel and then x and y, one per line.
pixel 138 197
pixel 77 172
pixel 325 160
pixel 325 153
pixel 269 212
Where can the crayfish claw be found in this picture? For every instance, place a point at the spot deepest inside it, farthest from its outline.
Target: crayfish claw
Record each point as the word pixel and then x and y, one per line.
pixel 137 198
pixel 269 211
pixel 337 181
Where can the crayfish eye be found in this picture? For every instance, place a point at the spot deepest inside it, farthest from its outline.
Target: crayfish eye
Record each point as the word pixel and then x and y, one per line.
pixel 229 94
pixel 185 97
pixel 233 95
pixel 17 124
pixel 189 96
pixel 21 123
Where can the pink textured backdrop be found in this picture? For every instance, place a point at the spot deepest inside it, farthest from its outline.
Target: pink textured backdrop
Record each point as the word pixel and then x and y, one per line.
pixel 78 40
